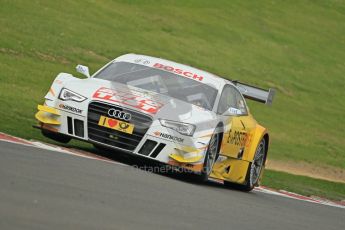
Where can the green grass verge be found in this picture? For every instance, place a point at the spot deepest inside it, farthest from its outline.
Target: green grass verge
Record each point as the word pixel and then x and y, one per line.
pixel 304 185
pixel 297 47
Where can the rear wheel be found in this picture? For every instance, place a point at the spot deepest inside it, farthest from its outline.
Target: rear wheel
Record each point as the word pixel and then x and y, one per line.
pixel 56 136
pixel 211 156
pixel 254 170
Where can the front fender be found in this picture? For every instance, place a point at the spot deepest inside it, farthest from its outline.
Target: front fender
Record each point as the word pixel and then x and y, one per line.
pixel 59 82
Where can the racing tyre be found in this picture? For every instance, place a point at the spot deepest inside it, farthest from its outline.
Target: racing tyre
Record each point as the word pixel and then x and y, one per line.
pixel 254 170
pixel 56 136
pixel 210 158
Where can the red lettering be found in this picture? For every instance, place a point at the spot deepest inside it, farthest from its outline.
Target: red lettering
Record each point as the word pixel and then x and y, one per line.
pixel 198 77
pixel 159 66
pixel 178 71
pixel 169 68
pixel 132 99
pixel 188 74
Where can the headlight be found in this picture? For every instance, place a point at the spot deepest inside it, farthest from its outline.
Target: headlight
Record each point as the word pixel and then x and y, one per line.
pixel 68 95
pixel 183 128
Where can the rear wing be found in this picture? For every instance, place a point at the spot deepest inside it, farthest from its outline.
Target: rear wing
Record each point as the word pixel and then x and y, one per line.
pixel 255 93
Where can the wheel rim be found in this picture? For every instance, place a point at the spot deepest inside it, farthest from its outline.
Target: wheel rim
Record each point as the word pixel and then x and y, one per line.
pixel 211 154
pixel 257 164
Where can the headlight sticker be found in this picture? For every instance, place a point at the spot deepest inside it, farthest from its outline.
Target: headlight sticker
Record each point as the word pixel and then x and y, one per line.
pixel 69 95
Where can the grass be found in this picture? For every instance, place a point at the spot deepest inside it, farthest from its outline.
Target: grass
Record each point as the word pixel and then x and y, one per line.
pixel 298 47
pixel 304 185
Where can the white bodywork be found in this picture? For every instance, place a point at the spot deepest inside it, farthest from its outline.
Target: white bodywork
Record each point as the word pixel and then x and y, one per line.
pixel 159 107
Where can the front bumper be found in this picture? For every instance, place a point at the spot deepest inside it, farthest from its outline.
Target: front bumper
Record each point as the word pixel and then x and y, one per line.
pixel 185 152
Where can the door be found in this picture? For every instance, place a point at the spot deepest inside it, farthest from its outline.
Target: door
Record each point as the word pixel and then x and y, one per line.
pixel 238 126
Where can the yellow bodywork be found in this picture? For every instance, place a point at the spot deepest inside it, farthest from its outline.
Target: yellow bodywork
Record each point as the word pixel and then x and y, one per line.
pixel 241 136
pixel 48 115
pixel 181 159
pixel 231 169
pixel 193 167
pixel 48 109
pixel 238 148
pixel 187 154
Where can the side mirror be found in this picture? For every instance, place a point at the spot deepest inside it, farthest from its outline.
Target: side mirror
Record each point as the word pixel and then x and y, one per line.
pixel 83 70
pixel 232 112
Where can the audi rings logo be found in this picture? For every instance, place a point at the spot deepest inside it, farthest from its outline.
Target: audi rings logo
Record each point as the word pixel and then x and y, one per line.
pixel 119 114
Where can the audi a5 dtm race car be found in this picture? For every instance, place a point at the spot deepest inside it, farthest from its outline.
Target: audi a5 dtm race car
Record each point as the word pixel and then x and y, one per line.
pixel 164 111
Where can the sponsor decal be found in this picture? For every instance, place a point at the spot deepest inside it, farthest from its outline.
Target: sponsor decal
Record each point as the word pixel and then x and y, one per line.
pixel 169 137
pixel 133 99
pixel 178 71
pixel 119 114
pixel 239 138
pixel 142 61
pixel 116 124
pixel 70 108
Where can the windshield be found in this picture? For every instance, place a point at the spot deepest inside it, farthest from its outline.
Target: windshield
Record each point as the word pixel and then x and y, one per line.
pixel 162 82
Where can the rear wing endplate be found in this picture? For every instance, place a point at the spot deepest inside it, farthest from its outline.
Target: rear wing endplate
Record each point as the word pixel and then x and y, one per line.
pixel 255 93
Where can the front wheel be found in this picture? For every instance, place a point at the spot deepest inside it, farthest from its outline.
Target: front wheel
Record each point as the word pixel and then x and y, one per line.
pixel 210 158
pixel 254 170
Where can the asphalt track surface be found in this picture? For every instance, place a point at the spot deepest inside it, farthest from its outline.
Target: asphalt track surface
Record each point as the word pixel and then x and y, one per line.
pixel 42 189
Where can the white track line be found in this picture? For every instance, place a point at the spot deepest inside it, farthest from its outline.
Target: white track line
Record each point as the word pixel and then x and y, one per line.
pixel 72 152
pixel 296 196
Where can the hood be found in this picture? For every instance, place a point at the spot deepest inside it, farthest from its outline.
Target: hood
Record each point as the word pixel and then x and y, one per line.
pixel 148 102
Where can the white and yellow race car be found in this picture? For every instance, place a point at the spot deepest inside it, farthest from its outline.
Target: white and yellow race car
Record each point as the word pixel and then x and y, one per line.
pixel 164 111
